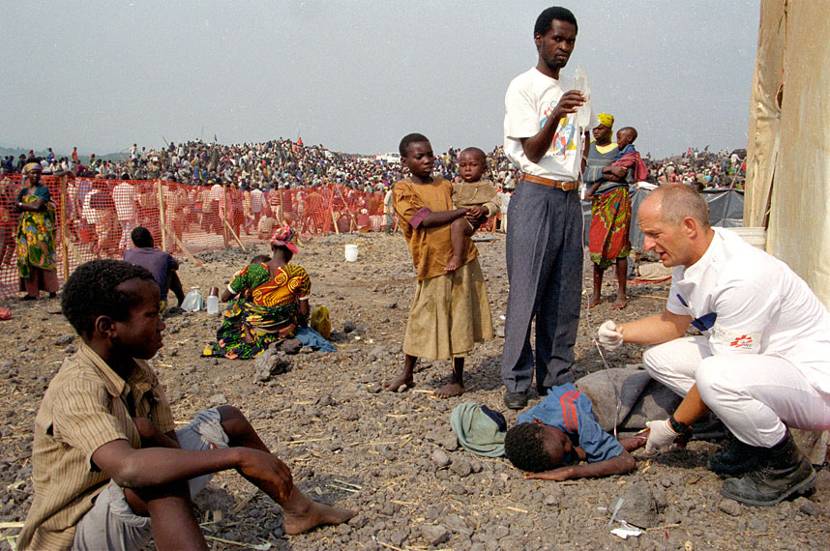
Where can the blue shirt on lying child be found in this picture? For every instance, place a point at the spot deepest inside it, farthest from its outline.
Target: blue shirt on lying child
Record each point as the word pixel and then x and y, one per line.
pixel 570 411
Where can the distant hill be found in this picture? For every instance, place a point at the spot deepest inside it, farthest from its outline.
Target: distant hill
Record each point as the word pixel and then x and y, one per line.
pixel 17 151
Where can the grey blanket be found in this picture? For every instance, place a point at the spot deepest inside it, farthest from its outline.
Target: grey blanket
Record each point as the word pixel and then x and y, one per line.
pixel 642 399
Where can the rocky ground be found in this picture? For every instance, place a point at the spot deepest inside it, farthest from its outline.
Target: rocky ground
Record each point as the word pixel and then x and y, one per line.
pixel 392 456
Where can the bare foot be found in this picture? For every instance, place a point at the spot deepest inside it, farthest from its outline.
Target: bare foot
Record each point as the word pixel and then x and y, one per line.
pixel 595 301
pixel 453 264
pixel 450 389
pixel 317 514
pixel 403 380
pixel 621 303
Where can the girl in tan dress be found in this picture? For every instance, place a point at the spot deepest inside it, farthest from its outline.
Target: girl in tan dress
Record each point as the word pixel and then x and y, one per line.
pixel 450 311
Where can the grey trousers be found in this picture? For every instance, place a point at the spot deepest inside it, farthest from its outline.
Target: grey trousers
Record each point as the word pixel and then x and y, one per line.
pixel 544 271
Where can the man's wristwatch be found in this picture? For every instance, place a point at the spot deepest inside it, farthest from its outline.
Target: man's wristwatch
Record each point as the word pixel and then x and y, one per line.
pixel 680 428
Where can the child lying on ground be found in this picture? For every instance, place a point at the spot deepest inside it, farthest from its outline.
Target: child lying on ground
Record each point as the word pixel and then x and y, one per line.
pixel 554 436
pixel 477 195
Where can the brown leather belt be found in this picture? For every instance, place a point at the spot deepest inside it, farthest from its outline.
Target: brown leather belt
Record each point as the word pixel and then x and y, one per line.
pixel 564 186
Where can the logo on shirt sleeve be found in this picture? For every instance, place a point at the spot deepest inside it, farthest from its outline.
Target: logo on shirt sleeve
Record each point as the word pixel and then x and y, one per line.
pixel 744 342
pixel 735 340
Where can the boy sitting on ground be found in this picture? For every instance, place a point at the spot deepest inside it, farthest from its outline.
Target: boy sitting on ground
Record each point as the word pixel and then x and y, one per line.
pixel 554 436
pixel 477 195
pixel 109 469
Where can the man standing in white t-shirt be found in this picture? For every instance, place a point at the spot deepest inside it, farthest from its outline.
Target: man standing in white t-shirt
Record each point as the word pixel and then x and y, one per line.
pixel 761 363
pixel 544 240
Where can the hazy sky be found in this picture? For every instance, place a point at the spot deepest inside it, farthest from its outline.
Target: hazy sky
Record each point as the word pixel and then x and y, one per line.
pixel 357 75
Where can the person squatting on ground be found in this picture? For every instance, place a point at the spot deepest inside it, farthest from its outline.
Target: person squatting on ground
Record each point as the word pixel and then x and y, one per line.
pixel 544 240
pixel 109 470
pixel 554 436
pixel 474 194
pixel 267 302
pixel 450 311
pixel 762 363
pixel 162 265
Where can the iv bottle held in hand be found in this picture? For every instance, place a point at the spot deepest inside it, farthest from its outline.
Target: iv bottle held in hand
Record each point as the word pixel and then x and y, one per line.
pixel 580 82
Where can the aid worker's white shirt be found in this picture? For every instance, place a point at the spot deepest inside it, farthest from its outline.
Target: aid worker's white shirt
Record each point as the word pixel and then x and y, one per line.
pixel 748 302
pixel 530 99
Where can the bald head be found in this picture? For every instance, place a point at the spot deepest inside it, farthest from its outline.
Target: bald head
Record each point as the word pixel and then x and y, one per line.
pixel 676 202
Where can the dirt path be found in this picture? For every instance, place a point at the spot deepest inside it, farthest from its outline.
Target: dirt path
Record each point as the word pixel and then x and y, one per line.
pixel 348 442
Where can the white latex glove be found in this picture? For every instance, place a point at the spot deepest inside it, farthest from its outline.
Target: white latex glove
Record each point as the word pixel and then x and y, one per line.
pixel 608 336
pixel 661 436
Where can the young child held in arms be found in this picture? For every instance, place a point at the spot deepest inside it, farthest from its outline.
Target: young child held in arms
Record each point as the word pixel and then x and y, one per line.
pixel 554 436
pixel 628 158
pixel 450 311
pixel 476 195
pixel 109 467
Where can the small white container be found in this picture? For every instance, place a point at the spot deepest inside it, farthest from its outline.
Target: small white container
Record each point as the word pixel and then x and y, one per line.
pixel 213 305
pixel 193 301
pixel 351 252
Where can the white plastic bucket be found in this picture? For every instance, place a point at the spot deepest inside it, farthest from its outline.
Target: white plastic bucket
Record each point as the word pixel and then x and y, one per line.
pixel 757 237
pixel 351 253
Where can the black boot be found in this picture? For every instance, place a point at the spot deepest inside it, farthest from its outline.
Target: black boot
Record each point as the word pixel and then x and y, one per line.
pixel 735 458
pixel 783 473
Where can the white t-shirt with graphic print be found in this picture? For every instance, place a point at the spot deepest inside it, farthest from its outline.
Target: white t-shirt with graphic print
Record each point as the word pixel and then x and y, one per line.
pixel 530 99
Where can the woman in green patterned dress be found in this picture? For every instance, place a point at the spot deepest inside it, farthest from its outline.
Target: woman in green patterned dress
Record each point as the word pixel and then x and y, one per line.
pixel 36 262
pixel 267 302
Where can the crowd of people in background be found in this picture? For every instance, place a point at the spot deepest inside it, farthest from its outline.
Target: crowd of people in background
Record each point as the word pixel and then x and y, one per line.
pixel 251 189
pixel 702 168
pixel 287 164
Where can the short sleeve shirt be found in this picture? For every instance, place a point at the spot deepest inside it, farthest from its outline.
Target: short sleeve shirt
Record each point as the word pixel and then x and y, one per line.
pixel 431 248
pixel 86 405
pixel 530 99
pixel 156 261
pixel 216 192
pixel 746 301
pixel 256 200
pixel 124 197
pixel 570 411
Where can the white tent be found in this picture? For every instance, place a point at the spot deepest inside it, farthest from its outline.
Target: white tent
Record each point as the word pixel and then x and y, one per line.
pixel 788 163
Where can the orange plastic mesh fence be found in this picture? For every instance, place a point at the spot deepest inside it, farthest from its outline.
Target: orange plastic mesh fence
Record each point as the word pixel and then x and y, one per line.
pixel 94 217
